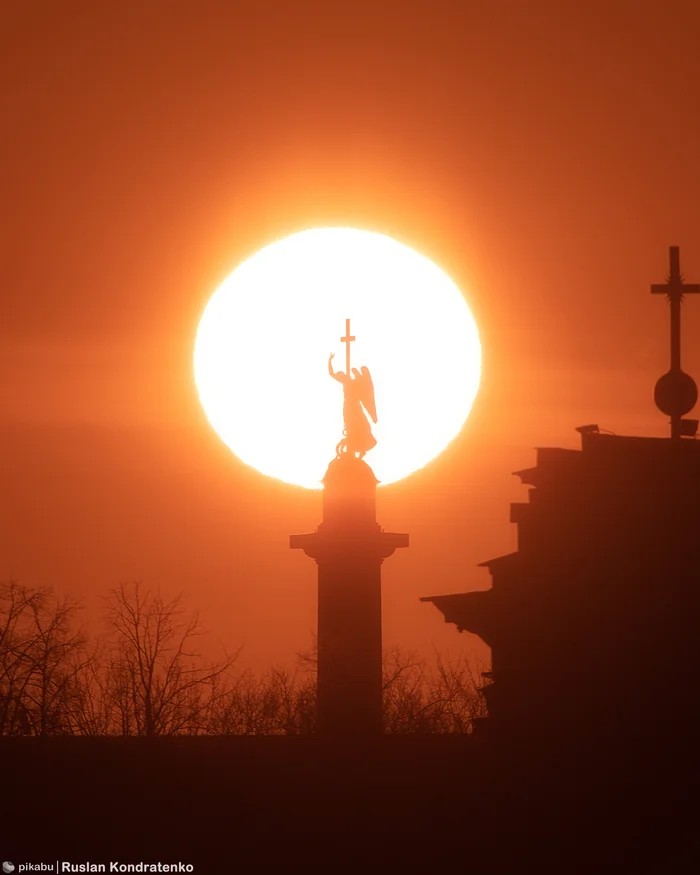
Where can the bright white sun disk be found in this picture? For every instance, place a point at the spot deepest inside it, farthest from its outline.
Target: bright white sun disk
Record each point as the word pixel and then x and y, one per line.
pixel 263 343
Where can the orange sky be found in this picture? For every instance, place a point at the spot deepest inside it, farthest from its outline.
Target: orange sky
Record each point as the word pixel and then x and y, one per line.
pixel 544 154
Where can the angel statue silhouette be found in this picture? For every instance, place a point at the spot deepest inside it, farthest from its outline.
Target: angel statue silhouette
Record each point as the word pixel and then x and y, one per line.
pixel 358 397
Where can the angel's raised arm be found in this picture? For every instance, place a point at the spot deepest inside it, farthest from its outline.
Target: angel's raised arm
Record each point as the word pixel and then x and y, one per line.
pixel 339 376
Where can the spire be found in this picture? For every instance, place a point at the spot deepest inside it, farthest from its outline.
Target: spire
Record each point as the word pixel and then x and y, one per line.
pixel 675 393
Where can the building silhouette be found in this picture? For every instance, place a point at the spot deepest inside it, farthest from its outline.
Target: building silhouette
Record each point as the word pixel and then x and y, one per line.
pixel 349 547
pixel 592 621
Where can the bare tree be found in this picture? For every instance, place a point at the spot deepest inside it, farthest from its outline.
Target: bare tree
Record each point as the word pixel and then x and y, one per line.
pixel 404 690
pixel 57 655
pixel 41 653
pixel 94 709
pixel 443 699
pixel 158 682
pixel 293 700
pixel 15 638
pixel 278 703
pixel 455 687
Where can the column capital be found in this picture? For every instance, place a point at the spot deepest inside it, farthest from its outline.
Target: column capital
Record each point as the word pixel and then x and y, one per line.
pixel 324 545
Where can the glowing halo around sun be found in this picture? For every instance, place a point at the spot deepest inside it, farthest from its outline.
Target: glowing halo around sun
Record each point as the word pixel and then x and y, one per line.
pixel 262 347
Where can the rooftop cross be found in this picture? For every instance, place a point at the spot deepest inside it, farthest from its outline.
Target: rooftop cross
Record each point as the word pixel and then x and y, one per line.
pixel 347 340
pixel 674 288
pixel 675 393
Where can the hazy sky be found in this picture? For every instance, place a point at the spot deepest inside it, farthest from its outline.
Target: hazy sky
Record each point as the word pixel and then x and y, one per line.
pixel 544 154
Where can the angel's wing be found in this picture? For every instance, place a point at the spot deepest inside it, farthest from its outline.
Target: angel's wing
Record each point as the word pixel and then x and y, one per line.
pixel 367 393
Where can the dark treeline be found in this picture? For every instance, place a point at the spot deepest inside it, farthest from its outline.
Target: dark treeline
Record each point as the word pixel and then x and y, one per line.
pixel 144 676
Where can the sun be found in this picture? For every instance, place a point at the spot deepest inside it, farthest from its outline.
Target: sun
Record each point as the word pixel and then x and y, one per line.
pixel 262 347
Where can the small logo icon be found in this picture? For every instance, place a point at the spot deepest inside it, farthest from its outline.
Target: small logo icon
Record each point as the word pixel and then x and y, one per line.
pixel 8 867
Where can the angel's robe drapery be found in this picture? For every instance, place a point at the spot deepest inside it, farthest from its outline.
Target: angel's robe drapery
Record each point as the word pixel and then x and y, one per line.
pixel 358 393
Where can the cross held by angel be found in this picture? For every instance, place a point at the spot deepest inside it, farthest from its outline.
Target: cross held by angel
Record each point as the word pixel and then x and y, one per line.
pixel 358 401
